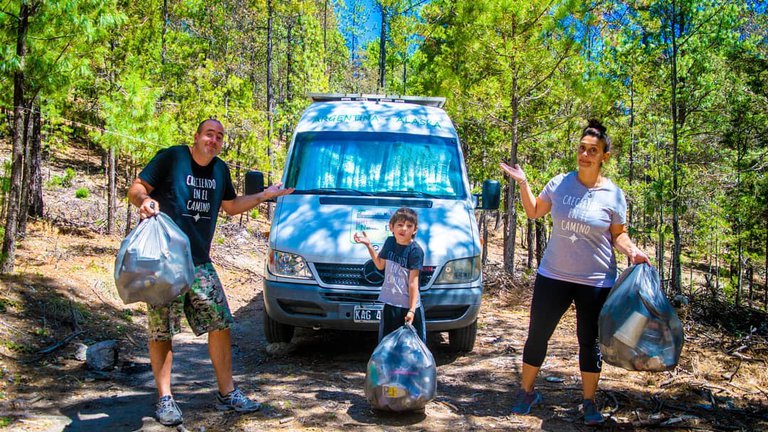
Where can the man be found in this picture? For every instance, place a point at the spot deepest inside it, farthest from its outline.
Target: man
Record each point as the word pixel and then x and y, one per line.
pixel 191 184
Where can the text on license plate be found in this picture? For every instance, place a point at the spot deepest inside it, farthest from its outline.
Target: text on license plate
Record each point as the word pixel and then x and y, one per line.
pixel 368 313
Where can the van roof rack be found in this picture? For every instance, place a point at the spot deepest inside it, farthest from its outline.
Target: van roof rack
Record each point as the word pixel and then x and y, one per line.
pixel 437 102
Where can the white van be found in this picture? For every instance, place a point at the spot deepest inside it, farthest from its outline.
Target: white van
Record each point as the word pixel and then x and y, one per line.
pixel 354 160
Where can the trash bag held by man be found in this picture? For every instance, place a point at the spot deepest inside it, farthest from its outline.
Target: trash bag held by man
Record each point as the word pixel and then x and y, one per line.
pixel 401 374
pixel 639 328
pixel 154 264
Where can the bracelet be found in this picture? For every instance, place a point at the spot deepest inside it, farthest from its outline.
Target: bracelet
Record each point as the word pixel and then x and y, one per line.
pixel 522 182
pixel 410 311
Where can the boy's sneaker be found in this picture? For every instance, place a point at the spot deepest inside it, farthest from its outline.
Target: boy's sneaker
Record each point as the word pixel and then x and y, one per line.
pixel 236 400
pixel 592 415
pixel 167 412
pixel 524 401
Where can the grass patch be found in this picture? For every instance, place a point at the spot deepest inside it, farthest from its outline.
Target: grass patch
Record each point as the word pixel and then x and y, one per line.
pixel 82 193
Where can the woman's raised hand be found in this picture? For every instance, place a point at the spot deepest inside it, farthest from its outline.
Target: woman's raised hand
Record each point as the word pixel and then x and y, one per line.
pixel 515 172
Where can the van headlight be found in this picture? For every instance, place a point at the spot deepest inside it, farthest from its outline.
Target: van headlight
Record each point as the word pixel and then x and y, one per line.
pixel 460 271
pixel 288 265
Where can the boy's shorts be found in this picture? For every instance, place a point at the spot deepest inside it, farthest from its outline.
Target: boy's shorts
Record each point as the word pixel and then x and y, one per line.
pixel 205 306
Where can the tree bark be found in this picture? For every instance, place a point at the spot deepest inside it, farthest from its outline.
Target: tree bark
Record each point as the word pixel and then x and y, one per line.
pixel 383 49
pixel 541 240
pixel 511 190
pixel 676 250
pixel 21 230
pixel 35 208
pixel 270 101
pixel 111 191
pixel 530 240
pixel 19 112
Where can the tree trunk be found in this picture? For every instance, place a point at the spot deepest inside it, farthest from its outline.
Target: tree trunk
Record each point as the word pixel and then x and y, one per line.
pixel 128 180
pixel 111 191
pixel 530 240
pixel 21 230
pixel 19 105
pixel 541 240
pixel 35 208
pixel 676 250
pixel 270 101
pixel 511 190
pixel 383 49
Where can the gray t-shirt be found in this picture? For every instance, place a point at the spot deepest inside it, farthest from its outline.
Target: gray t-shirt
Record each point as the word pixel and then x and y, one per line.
pixel 401 259
pixel 580 249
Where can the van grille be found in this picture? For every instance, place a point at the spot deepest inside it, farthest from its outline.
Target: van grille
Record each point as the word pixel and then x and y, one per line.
pixel 352 275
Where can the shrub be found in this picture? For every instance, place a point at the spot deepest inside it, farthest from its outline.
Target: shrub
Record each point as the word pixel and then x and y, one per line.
pixel 82 193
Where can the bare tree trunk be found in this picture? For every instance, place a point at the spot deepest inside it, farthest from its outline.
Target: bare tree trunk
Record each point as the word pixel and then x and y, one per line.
pixel 511 190
pixel 111 190
pixel 35 208
pixel 530 240
pixel 270 101
pixel 676 250
pixel 541 240
pixel 128 180
pixel 383 49
pixel 21 230
pixel 8 254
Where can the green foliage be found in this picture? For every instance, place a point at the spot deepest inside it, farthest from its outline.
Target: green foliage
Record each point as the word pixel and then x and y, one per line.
pixel 82 193
pixel 63 181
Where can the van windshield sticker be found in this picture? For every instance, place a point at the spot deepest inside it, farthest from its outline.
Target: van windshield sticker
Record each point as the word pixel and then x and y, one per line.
pixel 405 120
pixel 375 223
pixel 346 118
pixel 412 120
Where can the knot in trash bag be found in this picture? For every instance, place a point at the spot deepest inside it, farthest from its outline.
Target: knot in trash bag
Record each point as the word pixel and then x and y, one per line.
pixel 401 374
pixel 639 328
pixel 154 263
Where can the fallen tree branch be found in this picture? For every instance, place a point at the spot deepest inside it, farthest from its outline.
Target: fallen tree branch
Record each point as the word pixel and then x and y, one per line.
pixel 59 344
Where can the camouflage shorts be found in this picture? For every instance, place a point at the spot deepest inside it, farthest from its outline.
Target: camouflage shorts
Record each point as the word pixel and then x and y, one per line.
pixel 205 306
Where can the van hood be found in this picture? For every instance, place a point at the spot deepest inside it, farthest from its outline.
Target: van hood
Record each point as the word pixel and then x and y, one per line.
pixel 321 228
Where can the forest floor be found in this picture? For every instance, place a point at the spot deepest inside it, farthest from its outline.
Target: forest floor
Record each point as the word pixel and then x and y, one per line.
pixel 62 294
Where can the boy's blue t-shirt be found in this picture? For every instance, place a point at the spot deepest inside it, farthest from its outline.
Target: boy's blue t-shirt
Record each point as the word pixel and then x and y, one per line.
pixel 580 249
pixel 400 261
pixel 190 194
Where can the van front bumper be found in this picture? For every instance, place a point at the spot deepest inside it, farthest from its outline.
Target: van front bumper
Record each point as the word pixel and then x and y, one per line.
pixel 311 306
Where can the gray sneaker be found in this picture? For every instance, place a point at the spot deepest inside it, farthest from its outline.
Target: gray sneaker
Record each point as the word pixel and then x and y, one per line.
pixel 167 412
pixel 236 400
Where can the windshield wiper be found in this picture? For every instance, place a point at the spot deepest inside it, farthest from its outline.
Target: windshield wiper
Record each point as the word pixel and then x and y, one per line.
pixel 406 193
pixel 332 191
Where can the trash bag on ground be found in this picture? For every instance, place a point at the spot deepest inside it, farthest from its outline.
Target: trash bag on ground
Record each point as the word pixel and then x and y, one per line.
pixel 401 374
pixel 639 328
pixel 154 263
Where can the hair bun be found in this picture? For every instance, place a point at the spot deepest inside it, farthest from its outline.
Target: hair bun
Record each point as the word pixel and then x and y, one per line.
pixel 595 124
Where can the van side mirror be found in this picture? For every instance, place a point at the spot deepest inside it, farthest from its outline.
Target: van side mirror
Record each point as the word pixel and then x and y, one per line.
pixel 491 196
pixel 254 182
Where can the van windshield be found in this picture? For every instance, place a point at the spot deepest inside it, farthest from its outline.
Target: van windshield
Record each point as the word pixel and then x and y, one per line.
pixel 379 164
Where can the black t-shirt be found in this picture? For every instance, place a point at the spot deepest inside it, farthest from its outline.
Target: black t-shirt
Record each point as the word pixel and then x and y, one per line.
pixel 190 194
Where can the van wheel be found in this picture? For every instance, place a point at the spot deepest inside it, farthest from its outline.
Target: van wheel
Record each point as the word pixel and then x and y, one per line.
pixel 463 339
pixel 275 331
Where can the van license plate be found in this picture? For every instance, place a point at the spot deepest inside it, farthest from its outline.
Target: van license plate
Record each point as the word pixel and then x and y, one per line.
pixel 368 313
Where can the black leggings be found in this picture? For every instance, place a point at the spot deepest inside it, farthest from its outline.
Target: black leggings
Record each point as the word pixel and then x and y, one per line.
pixel 551 298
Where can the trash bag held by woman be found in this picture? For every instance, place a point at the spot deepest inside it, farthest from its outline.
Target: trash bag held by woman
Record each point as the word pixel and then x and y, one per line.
pixel 154 263
pixel 401 374
pixel 639 328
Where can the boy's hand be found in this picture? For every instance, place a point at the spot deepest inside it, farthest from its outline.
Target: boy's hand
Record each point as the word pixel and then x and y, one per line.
pixel 362 239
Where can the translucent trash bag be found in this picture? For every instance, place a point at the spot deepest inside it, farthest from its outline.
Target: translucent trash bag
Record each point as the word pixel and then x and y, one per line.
pixel 639 328
pixel 154 263
pixel 401 374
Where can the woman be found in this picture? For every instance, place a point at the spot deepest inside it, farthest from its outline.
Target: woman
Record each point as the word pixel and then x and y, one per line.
pixel 579 265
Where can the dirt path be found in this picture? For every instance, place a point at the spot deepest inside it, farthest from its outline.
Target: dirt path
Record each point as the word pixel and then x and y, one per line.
pixel 316 382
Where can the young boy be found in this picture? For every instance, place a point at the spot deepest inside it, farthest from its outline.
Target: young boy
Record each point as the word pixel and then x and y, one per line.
pixel 403 259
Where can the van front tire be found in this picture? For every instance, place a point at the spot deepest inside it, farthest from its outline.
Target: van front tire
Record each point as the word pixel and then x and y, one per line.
pixel 275 331
pixel 463 339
